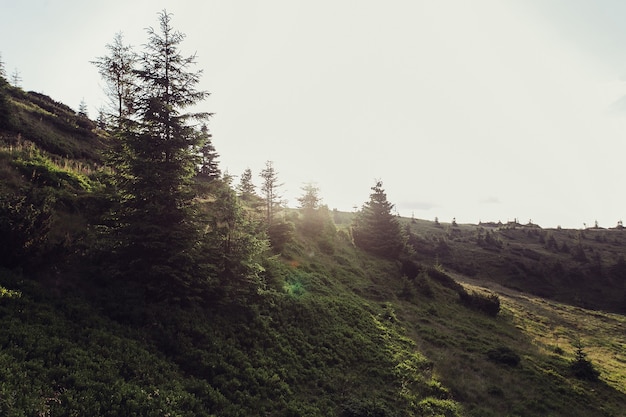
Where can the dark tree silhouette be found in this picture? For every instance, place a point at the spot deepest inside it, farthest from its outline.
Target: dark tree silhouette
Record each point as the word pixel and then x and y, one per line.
pixel 155 232
pixel 375 228
pixel 208 156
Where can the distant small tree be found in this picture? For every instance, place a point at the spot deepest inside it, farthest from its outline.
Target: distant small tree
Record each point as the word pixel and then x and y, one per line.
pixel 312 219
pixel 581 366
pixel 101 120
pixel 118 71
pixel 269 187
pixel 310 199
pixel 82 109
pixel 16 78
pixel 3 73
pixel 246 188
pixel 375 228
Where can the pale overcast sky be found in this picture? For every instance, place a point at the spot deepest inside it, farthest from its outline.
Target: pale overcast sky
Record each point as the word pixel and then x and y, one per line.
pixel 480 110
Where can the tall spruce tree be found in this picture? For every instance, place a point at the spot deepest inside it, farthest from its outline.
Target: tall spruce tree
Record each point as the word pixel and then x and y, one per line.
pixel 156 233
pixel 375 228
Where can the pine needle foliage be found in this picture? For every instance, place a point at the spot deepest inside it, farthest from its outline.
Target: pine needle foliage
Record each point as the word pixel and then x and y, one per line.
pixel 375 228
pixel 156 160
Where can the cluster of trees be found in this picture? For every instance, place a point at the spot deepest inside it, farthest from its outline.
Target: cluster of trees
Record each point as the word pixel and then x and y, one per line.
pixel 172 223
pixel 176 225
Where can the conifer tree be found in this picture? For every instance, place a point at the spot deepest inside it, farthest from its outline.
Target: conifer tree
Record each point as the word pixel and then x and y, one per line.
pixel 269 187
pixel 313 217
pixel 246 188
pixel 101 120
pixel 375 228
pixel 118 71
pixel 82 109
pixel 156 234
pixel 3 73
pixel 16 79
pixel 208 156
pixel 310 199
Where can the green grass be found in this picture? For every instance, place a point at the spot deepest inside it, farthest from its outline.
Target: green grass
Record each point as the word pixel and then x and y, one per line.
pixel 459 342
pixel 334 333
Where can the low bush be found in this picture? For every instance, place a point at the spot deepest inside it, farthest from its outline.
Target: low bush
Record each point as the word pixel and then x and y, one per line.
pixel 444 279
pixel 25 222
pixel 485 303
pixel 503 355
pixel 366 408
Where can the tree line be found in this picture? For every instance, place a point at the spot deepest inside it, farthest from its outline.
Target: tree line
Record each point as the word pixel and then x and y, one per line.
pixel 172 224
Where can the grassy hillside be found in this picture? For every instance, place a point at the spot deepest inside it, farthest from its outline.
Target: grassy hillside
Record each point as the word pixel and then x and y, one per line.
pixel 586 267
pixel 331 330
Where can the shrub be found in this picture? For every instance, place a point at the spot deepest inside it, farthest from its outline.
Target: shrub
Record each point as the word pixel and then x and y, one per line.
pixel 444 279
pixel 280 233
pixel 24 227
pixel 410 268
pixel 488 304
pixel 438 408
pixel 423 285
pixel 365 408
pixel 503 355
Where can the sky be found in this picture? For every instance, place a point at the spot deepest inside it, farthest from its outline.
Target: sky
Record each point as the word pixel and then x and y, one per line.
pixel 482 110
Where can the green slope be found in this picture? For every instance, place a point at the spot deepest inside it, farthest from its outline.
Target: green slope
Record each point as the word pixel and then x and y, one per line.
pixel 334 331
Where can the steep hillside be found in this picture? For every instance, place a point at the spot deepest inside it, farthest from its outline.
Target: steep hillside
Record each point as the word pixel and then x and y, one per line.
pixel 452 330
pixel 50 172
pixel 332 334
